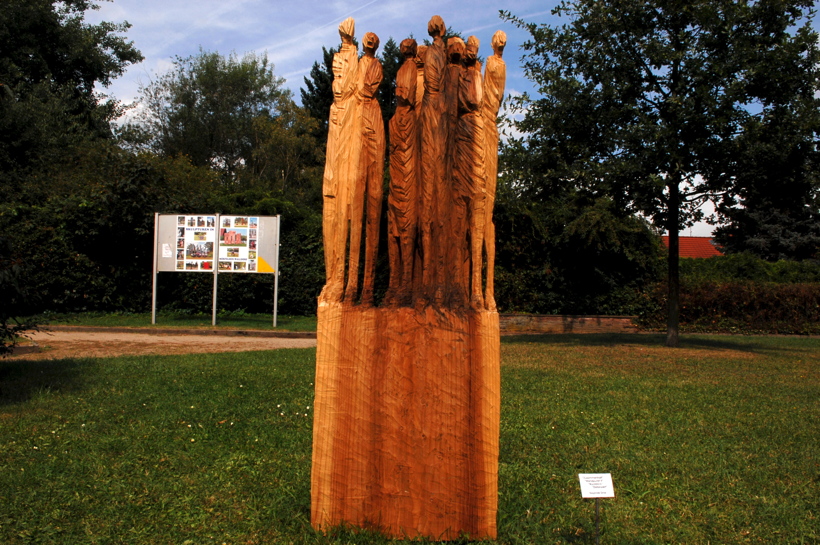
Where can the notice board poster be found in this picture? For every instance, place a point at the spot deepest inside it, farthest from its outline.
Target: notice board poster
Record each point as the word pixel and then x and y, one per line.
pixel 236 244
pixel 195 238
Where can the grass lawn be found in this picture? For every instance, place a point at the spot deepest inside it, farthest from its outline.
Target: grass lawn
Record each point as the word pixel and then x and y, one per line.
pixel 228 320
pixel 716 442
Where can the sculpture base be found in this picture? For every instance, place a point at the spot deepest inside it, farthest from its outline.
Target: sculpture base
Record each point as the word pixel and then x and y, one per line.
pixel 405 436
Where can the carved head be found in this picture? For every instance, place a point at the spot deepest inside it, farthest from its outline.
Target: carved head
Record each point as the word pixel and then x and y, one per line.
pixel 471 52
pixel 455 49
pixel 499 41
pixel 408 48
pixel 370 42
pixel 421 50
pixel 347 29
pixel 436 26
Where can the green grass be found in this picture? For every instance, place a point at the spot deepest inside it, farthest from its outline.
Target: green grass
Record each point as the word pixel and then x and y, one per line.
pixel 716 442
pixel 227 320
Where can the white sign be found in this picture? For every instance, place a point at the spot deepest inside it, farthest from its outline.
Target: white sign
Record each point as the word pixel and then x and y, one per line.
pixel 166 251
pixel 596 485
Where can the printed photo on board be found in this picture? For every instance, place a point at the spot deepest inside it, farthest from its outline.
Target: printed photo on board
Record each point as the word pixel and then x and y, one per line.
pixel 224 265
pixel 181 220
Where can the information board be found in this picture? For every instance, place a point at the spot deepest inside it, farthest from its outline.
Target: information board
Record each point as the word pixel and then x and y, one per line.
pixel 217 244
pixel 234 244
pixel 243 243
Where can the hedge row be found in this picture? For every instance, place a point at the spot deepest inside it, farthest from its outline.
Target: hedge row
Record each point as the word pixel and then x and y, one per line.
pixel 741 306
pixel 745 266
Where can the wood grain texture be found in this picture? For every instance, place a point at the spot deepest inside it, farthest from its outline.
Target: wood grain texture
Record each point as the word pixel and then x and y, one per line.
pixel 407 421
pixel 408 393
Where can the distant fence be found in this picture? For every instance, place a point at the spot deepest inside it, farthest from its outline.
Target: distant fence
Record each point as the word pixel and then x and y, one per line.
pixel 515 324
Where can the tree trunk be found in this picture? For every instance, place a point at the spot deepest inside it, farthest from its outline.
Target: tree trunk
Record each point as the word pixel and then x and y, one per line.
pixel 673 296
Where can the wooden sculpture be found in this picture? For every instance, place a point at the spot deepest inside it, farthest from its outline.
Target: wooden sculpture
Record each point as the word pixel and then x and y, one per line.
pixel 452 200
pixel 407 406
pixel 402 203
pixel 342 161
pixel 495 77
pixel 434 143
pixel 367 194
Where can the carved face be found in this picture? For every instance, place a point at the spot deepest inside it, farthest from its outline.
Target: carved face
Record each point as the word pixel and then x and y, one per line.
pixel 472 50
pixel 408 48
pixel 455 49
pixel 499 41
pixel 370 42
pixel 420 52
pixel 436 26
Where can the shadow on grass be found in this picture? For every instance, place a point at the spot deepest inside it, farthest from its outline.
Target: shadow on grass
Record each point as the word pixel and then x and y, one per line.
pixel 740 343
pixel 20 380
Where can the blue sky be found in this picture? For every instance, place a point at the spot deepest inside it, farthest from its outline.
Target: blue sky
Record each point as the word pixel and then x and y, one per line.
pixel 293 33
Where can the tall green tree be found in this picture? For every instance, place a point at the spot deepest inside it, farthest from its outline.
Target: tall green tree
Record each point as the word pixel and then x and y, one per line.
pixel 644 101
pixel 50 62
pixel 775 213
pixel 317 94
pixel 205 108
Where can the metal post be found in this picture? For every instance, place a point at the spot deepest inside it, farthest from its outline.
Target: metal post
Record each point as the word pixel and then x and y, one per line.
pixel 154 280
pixel 276 270
pixel 216 268
pixel 597 521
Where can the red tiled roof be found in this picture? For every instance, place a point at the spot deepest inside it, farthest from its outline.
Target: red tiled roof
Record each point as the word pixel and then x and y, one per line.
pixel 700 247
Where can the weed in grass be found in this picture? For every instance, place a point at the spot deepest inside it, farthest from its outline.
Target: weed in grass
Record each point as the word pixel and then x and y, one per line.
pixel 714 442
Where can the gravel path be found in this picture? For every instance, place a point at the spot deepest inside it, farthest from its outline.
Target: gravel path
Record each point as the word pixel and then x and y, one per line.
pixel 97 344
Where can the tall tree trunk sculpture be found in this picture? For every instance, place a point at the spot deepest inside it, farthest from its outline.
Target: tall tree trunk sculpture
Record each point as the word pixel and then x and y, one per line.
pixel 407 407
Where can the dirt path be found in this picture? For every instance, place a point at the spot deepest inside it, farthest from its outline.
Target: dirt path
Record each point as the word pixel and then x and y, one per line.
pixel 97 344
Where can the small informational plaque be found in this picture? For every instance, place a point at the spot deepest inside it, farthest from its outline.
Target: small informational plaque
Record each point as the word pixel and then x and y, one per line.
pixel 596 485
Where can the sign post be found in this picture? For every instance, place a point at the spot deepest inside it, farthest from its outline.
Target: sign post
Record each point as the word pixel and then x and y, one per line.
pixel 216 244
pixel 597 485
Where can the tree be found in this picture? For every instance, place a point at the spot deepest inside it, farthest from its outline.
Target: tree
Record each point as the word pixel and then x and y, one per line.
pixel 644 102
pixel 50 62
pixel 317 96
pixel 205 108
pixel 775 213
pixel 287 157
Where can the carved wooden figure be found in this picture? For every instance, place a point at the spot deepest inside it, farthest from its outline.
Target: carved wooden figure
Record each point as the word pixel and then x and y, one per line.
pixel 407 406
pixel 433 144
pixel 470 159
pixel 418 287
pixel 342 161
pixel 495 76
pixel 452 199
pixel 368 191
pixel 402 203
